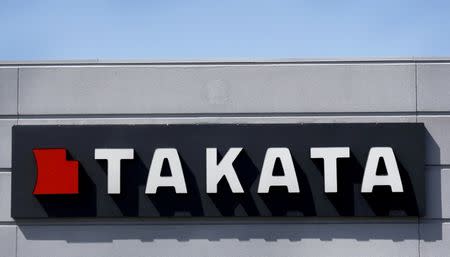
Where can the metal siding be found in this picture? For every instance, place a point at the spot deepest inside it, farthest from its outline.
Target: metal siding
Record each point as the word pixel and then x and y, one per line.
pixel 272 92
pixel 217 89
pixel 315 240
pixel 8 91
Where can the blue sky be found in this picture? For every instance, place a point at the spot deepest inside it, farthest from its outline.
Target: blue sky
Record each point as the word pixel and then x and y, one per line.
pixel 177 29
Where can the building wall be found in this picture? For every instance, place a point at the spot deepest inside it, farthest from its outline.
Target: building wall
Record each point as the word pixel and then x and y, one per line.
pixel 405 90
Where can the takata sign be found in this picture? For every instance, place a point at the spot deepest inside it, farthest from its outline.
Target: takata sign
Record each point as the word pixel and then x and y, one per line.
pixel 218 170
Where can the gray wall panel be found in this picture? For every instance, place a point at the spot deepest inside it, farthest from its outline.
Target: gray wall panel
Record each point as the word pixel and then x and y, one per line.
pixel 437 190
pixel 437 139
pixel 433 87
pixel 217 89
pixel 217 119
pixel 220 240
pixel 294 93
pixel 434 238
pixel 8 91
pixel 5 142
pixel 5 196
pixel 8 241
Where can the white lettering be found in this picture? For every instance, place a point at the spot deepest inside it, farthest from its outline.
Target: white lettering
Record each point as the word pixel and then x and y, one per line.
pixel 155 179
pixel 371 178
pixel 215 172
pixel 330 156
pixel 267 179
pixel 113 157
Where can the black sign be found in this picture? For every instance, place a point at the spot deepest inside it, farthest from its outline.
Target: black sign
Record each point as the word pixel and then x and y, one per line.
pixel 218 170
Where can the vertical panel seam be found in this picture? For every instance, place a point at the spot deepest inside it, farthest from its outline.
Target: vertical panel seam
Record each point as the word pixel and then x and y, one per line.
pixel 17 239
pixel 17 91
pixel 418 236
pixel 418 218
pixel 415 82
pixel 17 122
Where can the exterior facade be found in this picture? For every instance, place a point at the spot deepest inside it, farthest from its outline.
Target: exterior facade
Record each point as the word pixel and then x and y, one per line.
pixel 253 92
